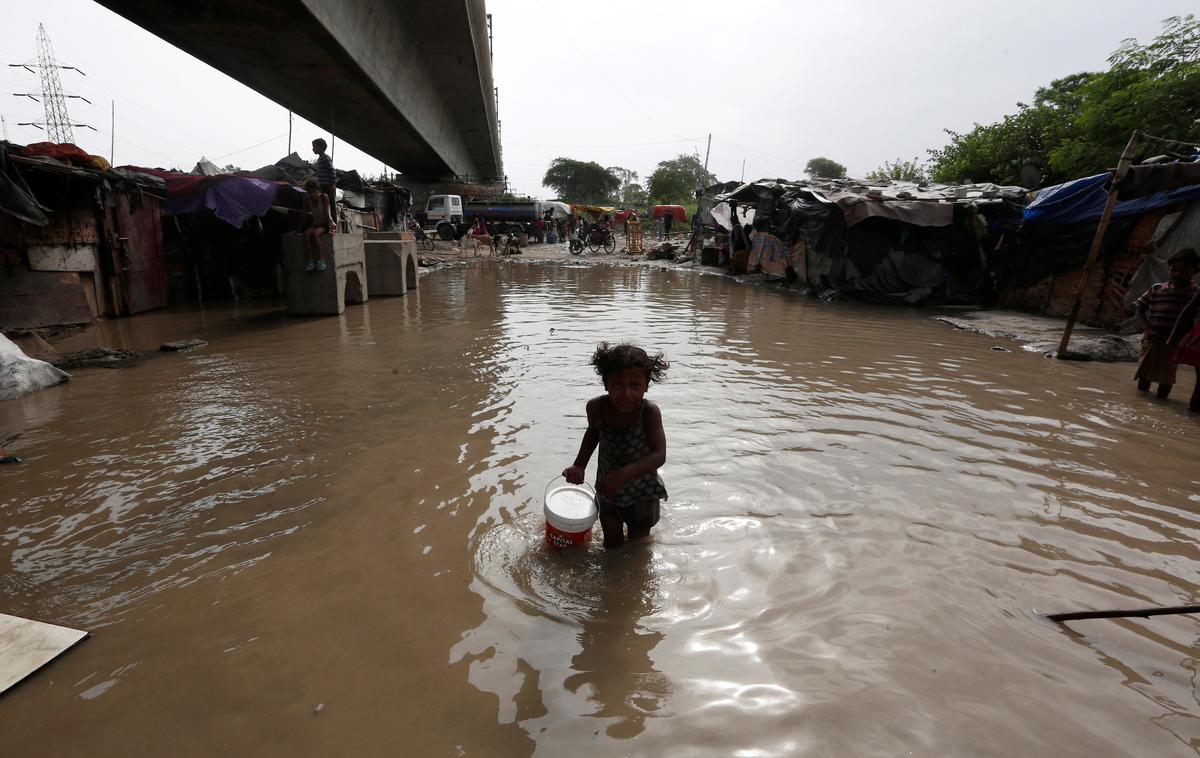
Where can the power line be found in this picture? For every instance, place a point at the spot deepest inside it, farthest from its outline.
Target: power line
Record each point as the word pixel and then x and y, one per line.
pixel 244 149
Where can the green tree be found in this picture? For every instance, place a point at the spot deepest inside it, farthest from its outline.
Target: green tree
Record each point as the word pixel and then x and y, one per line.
pixel 899 171
pixel 825 168
pixel 676 180
pixel 1078 125
pixel 579 181
pixel 630 194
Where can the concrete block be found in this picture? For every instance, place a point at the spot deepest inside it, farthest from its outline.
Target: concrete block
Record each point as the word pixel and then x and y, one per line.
pixel 391 264
pixel 324 293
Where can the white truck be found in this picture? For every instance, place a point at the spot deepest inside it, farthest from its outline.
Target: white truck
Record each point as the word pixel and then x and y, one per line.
pixel 450 215
pixel 444 213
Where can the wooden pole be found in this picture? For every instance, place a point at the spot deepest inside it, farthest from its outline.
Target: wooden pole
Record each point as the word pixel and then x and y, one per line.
pixel 1097 241
pixel 1134 613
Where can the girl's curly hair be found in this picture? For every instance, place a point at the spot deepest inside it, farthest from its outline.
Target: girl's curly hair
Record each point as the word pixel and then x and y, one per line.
pixel 609 360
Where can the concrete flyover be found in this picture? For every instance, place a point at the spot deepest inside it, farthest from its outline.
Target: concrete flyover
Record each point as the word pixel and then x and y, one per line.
pixel 407 81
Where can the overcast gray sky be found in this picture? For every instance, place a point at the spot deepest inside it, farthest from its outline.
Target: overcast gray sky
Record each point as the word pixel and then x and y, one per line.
pixel 622 82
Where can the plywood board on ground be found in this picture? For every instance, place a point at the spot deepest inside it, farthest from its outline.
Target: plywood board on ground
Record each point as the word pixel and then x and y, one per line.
pixel 26 646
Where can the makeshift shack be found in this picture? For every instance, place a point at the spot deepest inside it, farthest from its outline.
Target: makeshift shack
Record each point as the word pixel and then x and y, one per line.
pixel 78 240
pixel 1039 262
pixel 891 242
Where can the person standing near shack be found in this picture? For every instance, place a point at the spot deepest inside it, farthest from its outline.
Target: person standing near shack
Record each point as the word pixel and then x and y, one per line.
pixel 1158 310
pixel 668 219
pixel 326 176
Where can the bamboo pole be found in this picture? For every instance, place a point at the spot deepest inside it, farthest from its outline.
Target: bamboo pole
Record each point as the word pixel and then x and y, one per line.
pixel 1134 613
pixel 1097 240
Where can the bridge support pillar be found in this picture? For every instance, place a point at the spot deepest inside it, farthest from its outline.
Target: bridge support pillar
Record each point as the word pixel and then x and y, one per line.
pixel 391 263
pixel 324 293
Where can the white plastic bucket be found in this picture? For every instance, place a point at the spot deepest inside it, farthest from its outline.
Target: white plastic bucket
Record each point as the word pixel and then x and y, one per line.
pixel 570 513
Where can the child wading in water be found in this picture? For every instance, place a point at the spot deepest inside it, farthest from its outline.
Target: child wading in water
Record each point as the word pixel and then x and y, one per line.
pixel 1157 311
pixel 628 428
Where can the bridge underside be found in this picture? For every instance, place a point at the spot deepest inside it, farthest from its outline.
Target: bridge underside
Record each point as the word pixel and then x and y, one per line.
pixel 407 81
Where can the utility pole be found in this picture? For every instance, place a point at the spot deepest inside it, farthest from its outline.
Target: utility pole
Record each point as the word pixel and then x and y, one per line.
pixel 4 124
pixel 743 169
pixel 112 133
pixel 57 122
pixel 289 132
pixel 707 150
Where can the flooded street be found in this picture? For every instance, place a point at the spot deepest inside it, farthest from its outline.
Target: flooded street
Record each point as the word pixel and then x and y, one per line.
pixel 323 536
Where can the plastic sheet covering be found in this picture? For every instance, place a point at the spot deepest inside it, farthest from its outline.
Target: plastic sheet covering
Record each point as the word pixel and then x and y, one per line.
pixel 1183 232
pixel 233 199
pixel 1140 181
pixel 720 214
pixel 1084 199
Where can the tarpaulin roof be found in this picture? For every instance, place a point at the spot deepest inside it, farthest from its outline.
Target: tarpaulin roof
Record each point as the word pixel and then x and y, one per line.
pixel 559 209
pixel 676 212
pixel 581 208
pixel 1084 199
pixel 1157 177
pixel 233 199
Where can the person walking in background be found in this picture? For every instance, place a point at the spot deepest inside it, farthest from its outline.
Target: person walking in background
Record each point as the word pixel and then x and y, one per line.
pixel 668 220
pixel 326 176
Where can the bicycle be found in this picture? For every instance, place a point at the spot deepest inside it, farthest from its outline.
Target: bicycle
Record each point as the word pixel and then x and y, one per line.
pixel 424 241
pixel 602 238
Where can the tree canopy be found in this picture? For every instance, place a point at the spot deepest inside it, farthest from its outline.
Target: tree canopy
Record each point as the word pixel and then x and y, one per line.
pixel 630 193
pixel 899 171
pixel 825 168
pixel 676 180
pixel 579 181
pixel 1078 125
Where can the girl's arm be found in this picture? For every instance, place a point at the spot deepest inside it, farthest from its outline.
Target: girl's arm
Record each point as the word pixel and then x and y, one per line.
pixel 1183 324
pixel 1143 311
pixel 652 461
pixel 576 471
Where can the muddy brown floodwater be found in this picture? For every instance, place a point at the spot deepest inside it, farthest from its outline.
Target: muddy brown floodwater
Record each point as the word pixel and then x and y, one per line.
pixel 323 537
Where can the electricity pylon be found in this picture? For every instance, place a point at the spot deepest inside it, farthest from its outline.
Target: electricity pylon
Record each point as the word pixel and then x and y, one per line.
pixel 57 121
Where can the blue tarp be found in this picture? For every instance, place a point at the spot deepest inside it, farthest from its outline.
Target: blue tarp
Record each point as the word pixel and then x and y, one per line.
pixel 1083 200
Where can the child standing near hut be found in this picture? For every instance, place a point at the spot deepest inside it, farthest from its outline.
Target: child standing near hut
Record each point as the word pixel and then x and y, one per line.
pixel 1158 309
pixel 628 429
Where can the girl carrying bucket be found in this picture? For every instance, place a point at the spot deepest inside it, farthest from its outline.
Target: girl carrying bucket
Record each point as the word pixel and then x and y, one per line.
pixel 628 428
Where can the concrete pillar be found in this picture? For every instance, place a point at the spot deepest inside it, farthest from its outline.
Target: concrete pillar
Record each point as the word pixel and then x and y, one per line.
pixel 391 262
pixel 325 293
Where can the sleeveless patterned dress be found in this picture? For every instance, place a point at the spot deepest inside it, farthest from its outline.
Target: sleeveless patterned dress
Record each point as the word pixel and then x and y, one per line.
pixel 620 446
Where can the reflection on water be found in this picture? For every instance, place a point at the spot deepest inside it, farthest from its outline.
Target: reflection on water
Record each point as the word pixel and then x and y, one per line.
pixel 867 510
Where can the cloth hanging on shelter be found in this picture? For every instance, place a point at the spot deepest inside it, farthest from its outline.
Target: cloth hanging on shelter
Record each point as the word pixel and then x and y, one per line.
pixel 16 199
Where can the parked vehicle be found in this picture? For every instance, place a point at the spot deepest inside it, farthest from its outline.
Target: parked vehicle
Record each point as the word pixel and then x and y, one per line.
pixel 444 213
pixel 450 216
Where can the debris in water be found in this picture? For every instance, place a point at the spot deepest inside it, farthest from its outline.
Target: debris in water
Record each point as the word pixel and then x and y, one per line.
pixel 98 357
pixel 9 459
pixel 181 345
pixel 318 707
